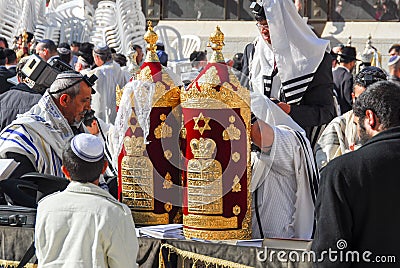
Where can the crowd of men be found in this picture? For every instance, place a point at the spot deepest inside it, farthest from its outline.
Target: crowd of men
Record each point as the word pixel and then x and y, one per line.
pixel 324 159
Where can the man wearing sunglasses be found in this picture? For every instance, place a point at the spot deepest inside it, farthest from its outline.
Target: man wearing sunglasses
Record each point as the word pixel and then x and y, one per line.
pixel 36 138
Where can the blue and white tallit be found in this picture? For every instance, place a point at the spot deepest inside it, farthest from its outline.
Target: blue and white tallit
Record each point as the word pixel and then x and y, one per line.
pixel 40 134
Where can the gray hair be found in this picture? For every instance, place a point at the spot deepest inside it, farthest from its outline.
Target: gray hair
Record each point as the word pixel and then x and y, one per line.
pixel 65 83
pixel 103 51
pixel 104 57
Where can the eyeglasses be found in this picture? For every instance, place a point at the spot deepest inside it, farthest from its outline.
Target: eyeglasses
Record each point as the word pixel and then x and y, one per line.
pixel 262 26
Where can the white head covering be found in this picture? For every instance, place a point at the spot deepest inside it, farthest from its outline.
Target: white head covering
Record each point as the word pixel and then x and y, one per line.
pixel 295 48
pixel 87 147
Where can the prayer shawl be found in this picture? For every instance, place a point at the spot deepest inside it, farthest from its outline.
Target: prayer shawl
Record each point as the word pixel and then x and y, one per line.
pixel 339 137
pixel 287 177
pixel 39 134
pixel 295 49
pixel 142 103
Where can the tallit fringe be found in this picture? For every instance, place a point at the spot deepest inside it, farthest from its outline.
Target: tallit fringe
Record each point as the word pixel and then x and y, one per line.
pixel 14 264
pixel 195 257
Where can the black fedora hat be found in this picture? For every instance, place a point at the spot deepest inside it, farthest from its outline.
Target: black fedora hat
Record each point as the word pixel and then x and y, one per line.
pixel 348 53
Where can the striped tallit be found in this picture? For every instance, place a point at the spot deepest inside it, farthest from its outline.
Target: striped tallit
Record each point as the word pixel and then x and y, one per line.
pixel 338 138
pixel 40 134
pixel 295 50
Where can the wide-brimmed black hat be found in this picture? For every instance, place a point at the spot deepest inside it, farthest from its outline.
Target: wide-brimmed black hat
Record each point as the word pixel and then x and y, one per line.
pixel 348 53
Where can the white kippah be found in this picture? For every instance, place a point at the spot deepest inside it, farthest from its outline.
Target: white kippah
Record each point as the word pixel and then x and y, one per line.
pixel 87 147
pixel 393 60
pixel 102 49
pixel 63 51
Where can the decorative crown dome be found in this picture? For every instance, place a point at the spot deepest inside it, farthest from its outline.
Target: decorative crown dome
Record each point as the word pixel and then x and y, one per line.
pixel 166 89
pixel 216 86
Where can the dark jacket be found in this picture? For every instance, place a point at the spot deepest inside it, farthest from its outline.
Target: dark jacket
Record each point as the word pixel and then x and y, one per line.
pixel 357 201
pixel 4 75
pixel 13 70
pixel 18 100
pixel 316 108
pixel 343 85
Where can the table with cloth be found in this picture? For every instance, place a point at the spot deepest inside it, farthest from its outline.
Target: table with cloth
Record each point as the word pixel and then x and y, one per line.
pixel 174 253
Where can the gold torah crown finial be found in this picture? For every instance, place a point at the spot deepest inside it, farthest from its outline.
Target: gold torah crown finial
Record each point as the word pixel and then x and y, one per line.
pixel 217 43
pixel 24 36
pixel 151 38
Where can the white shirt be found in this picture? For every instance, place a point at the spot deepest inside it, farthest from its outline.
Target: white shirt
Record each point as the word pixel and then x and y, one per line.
pixel 284 198
pixel 282 178
pixel 104 101
pixel 84 226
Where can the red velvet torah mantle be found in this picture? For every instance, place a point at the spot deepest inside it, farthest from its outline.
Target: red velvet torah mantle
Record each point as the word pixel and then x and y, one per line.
pixel 217 172
pixel 149 177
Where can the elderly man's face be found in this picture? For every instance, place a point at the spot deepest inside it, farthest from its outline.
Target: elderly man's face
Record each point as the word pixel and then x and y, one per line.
pixel 357 90
pixel 75 108
pixel 264 30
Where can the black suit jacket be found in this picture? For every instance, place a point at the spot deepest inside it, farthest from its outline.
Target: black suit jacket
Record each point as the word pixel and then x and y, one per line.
pixel 13 70
pixel 316 107
pixel 357 202
pixel 343 85
pixel 17 100
pixel 4 75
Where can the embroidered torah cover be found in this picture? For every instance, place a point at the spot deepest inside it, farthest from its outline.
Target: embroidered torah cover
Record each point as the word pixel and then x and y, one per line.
pixel 149 177
pixel 217 173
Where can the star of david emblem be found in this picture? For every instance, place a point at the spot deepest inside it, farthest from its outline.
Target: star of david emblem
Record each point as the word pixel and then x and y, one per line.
pixel 205 120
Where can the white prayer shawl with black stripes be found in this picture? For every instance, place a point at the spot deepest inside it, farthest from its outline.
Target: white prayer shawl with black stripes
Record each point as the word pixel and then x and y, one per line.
pixel 339 137
pixel 39 134
pixel 294 47
pixel 284 182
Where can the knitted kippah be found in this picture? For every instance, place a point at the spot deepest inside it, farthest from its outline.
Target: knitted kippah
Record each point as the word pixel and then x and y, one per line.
pixel 393 60
pixel 69 74
pixel 63 51
pixel 87 147
pixel 102 49
pixel 73 76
